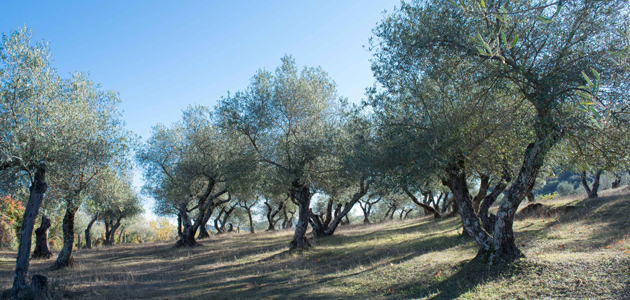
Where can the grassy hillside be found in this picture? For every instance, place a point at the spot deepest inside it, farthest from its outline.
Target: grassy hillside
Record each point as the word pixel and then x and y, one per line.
pixel 583 253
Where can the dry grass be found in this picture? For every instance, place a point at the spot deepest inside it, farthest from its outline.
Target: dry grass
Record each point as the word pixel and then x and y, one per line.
pixel 582 254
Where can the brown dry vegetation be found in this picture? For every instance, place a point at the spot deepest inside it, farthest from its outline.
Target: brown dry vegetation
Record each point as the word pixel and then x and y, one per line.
pixel 581 254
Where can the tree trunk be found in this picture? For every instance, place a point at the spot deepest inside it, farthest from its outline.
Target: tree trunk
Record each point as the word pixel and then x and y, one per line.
pixel 122 230
pixel 446 203
pixel 487 219
pixel 504 244
pixel 179 225
pixel 37 190
pixel 108 232
pixel 530 197
pixel 41 240
pixel 271 214
pixel 188 234
pixel 251 221
pixel 592 192
pixel 65 259
pixel 88 239
pixel 462 198
pixel 302 195
pixel 387 214
pixel 483 190
pixel 366 219
pixel 617 182
pixel 436 214
pixel 217 227
pixel 226 216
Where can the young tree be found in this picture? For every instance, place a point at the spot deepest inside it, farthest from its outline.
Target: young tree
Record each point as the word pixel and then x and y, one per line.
pixel 286 116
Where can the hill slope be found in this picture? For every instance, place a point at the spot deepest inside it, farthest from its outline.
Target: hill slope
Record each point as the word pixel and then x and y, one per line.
pixel 583 253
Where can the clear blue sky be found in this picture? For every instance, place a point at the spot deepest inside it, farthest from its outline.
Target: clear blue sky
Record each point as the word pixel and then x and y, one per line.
pixel 162 56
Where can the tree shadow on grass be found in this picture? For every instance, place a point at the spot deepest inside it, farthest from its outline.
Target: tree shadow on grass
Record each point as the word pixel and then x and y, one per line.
pixel 468 275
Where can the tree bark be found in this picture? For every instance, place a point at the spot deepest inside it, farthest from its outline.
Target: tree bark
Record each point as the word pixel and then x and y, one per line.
pixel 483 190
pixel 436 214
pixel 504 244
pixel 462 198
pixel 617 182
pixel 122 230
pixel 37 190
pixel 251 221
pixel 65 259
pixel 205 213
pixel 302 194
pixel 487 219
pixel 530 197
pixel 592 192
pixel 328 228
pixel 41 240
pixel 226 215
pixel 188 234
pixel 271 214
pixel 88 239
pixel 179 225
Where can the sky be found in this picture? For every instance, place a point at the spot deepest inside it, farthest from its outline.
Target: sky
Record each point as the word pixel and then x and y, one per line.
pixel 162 56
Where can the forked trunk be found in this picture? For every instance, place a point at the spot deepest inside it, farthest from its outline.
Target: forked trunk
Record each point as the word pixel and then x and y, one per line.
pixel 462 198
pixel 436 214
pixel 37 190
pixel 488 220
pixel 592 192
pixel 122 231
pixel 617 182
pixel 504 244
pixel 188 234
pixel 483 190
pixel 88 239
pixel 41 240
pixel 65 259
pixel 301 194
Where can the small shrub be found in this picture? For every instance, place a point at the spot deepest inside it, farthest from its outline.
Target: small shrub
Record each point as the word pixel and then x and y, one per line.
pixel 548 196
pixel 565 189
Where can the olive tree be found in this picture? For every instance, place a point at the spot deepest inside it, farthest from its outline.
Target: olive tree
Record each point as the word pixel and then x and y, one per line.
pixel 505 52
pixel 102 142
pixel 286 116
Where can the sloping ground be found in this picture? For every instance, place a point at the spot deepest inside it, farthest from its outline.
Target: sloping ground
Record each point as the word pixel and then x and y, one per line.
pixel 581 254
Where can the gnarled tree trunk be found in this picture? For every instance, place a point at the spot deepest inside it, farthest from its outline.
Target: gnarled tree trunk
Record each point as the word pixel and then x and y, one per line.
pixel 483 190
pixel 504 244
pixel 41 240
pixel 436 214
pixel 88 238
pixel 37 190
pixel 461 197
pixel 327 228
pixel 487 219
pixel 302 195
pixel 188 234
pixel 592 192
pixel 65 259
pixel 271 215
